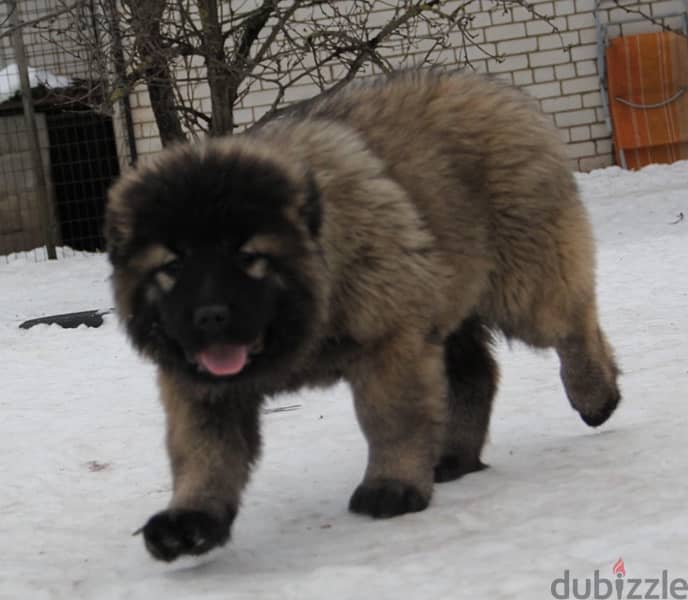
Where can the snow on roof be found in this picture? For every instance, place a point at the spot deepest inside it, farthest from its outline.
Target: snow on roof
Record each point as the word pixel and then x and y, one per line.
pixel 10 83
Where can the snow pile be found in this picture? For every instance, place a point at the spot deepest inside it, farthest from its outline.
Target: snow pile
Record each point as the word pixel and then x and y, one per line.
pixel 83 462
pixel 10 83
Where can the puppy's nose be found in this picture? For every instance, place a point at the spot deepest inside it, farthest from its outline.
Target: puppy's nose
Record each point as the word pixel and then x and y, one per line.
pixel 212 318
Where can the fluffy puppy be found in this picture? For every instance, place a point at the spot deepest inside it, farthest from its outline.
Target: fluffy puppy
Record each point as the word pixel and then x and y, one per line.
pixel 377 234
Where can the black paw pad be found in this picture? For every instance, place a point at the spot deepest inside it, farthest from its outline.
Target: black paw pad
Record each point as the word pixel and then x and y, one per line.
pixel 387 498
pixel 452 467
pixel 171 533
pixel 597 418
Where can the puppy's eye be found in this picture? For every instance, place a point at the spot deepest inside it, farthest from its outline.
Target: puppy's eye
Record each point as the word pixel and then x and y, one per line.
pixel 246 259
pixel 253 264
pixel 172 268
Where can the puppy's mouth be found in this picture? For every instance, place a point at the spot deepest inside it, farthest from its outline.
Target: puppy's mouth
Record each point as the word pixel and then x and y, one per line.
pixel 226 360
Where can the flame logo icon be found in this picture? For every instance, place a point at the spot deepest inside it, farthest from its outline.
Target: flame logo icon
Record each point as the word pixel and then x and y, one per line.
pixel 619 568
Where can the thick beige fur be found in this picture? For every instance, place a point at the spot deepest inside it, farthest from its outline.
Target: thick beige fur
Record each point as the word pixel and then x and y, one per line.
pixel 447 208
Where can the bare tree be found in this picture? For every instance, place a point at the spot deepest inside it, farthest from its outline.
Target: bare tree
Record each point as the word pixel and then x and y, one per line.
pixel 186 51
pixel 235 48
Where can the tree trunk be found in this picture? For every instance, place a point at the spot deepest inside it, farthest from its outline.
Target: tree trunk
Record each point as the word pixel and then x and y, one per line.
pixel 157 73
pixel 223 85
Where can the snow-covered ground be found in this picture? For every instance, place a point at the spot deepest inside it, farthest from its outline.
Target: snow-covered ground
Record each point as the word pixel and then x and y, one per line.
pixel 82 463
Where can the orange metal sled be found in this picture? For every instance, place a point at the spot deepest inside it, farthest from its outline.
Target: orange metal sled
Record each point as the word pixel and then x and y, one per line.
pixel 644 86
pixel 647 83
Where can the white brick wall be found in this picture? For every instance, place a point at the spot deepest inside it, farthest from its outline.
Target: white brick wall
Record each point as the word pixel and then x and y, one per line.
pixel 554 61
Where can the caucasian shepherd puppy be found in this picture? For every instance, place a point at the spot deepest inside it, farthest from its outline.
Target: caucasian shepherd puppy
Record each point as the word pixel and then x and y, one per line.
pixel 377 234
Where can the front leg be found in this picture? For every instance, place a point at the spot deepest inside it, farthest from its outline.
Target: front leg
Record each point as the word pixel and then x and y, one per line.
pixel 399 395
pixel 212 442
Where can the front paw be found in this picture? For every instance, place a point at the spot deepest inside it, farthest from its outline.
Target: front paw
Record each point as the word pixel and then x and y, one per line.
pixel 174 532
pixel 387 498
pixel 451 467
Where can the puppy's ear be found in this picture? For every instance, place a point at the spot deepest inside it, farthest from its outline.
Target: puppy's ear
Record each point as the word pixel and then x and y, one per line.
pixel 311 211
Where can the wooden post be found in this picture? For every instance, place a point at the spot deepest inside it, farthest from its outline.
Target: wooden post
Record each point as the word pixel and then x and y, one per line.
pixel 48 223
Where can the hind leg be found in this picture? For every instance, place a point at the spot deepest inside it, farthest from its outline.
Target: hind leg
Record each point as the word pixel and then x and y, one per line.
pixel 589 371
pixel 472 374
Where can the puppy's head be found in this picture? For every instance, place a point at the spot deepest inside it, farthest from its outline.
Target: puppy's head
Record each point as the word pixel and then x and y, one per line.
pixel 215 260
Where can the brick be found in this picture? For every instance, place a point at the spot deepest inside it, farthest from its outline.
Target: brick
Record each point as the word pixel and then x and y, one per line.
pixel 517 46
pixel 262 98
pixel 599 131
pixel 603 146
pixel 300 92
pixel 581 84
pixel 613 31
pixel 523 77
pixel 565 71
pixel 634 28
pixel 591 163
pixel 148 130
pixel 479 65
pixel 564 7
pixel 558 41
pixel 580 134
pixel 479 52
pixel 546 9
pixel 142 114
pixel 586 67
pixel 243 116
pixel 148 145
pixel 592 99
pixel 580 21
pixel 540 26
pixel 580 149
pixel 505 32
pixel 564 135
pixel 584 52
pixel 618 15
pixel 575 117
pixel 587 36
pixel 509 64
pixel 519 13
pixel 500 16
pixel 665 7
pixel 544 90
pixel 585 6
pixel 206 105
pixel 549 57
pixel 481 20
pixel 561 104
pixel 543 74
pixel 259 111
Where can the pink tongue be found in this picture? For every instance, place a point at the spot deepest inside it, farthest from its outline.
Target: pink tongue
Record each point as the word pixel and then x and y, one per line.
pixel 223 359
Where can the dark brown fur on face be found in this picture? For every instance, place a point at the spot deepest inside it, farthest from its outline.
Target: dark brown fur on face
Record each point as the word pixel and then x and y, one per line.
pixel 378 234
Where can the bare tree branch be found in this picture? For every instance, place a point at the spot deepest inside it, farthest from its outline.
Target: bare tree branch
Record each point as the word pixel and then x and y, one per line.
pixel 8 31
pixel 202 60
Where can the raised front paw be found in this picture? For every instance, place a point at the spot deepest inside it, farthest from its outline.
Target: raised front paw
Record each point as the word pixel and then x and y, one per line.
pixel 171 533
pixel 384 498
